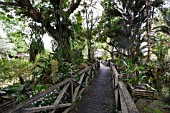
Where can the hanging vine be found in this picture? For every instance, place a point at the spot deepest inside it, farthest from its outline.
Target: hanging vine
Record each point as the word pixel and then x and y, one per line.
pixel 37 44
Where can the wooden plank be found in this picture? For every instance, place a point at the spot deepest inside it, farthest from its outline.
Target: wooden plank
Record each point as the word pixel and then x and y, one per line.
pixel 6 107
pixel 81 78
pixel 86 82
pixel 81 91
pixel 68 109
pixel 71 90
pixel 111 65
pixel 113 83
pixel 75 93
pixel 89 71
pixel 26 103
pixel 84 70
pixel 6 103
pixel 93 74
pixel 116 93
pixel 127 98
pixel 38 109
pixel 60 96
pixel 93 71
pixel 115 77
pixel 124 108
pixel 44 108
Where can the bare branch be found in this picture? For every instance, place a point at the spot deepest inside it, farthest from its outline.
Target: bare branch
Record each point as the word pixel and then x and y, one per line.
pixel 117 49
pixel 72 2
pixel 74 7
pixel 107 50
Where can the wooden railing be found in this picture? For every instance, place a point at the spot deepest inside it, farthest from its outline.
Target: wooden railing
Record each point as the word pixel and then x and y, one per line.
pixel 65 93
pixel 123 100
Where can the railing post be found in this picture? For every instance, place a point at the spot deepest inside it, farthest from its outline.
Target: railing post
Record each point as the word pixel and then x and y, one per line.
pixel 71 87
pixel 98 64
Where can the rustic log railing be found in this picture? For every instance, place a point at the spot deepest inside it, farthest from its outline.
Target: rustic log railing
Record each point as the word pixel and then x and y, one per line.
pixel 64 94
pixel 123 100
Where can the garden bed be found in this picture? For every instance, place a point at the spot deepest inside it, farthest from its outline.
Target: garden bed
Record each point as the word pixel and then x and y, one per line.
pixel 142 90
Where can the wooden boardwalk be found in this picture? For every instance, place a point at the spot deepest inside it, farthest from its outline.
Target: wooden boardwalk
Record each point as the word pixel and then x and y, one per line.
pixel 99 98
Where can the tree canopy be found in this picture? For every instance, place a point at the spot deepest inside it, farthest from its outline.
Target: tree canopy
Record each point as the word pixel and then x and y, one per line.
pixel 50 16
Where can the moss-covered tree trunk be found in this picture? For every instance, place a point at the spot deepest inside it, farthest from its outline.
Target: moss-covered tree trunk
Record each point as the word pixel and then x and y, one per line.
pixel 65 48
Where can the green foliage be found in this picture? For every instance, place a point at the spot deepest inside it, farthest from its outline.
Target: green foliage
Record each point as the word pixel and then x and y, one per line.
pixel 151 106
pixel 77 56
pixel 14 88
pixel 15 35
pixel 163 25
pixel 77 51
pixel 47 100
pixel 13 69
pixel 134 71
pixel 46 70
pixel 10 69
pixel 119 60
pixel 137 80
pixel 38 88
pixel 77 25
pixel 160 49
pixel 37 44
pixel 6 47
pixel 18 93
pixel 44 67
pixel 18 38
pixel 52 17
pixel 64 67
pixel 124 22
pixel 13 92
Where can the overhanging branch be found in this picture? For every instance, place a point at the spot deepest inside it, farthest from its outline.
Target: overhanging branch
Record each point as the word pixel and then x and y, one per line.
pixel 107 50
pixel 117 49
pixel 31 12
pixel 55 3
pixel 9 4
pixel 74 7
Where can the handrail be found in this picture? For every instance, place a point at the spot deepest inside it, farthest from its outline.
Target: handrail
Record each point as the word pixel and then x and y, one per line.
pixel 37 96
pixel 123 100
pixel 66 87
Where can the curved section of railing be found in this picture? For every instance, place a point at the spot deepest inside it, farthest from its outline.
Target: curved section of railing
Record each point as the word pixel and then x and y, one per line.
pixel 123 100
pixel 65 93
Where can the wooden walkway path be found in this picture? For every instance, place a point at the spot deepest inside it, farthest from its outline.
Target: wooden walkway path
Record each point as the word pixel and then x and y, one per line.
pixel 99 98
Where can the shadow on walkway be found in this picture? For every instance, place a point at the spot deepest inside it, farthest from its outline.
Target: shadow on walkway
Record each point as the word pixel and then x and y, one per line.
pixel 99 97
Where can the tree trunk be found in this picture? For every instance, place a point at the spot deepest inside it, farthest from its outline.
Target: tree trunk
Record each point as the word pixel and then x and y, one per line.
pixel 148 28
pixel 89 49
pixel 62 38
pixel 65 48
